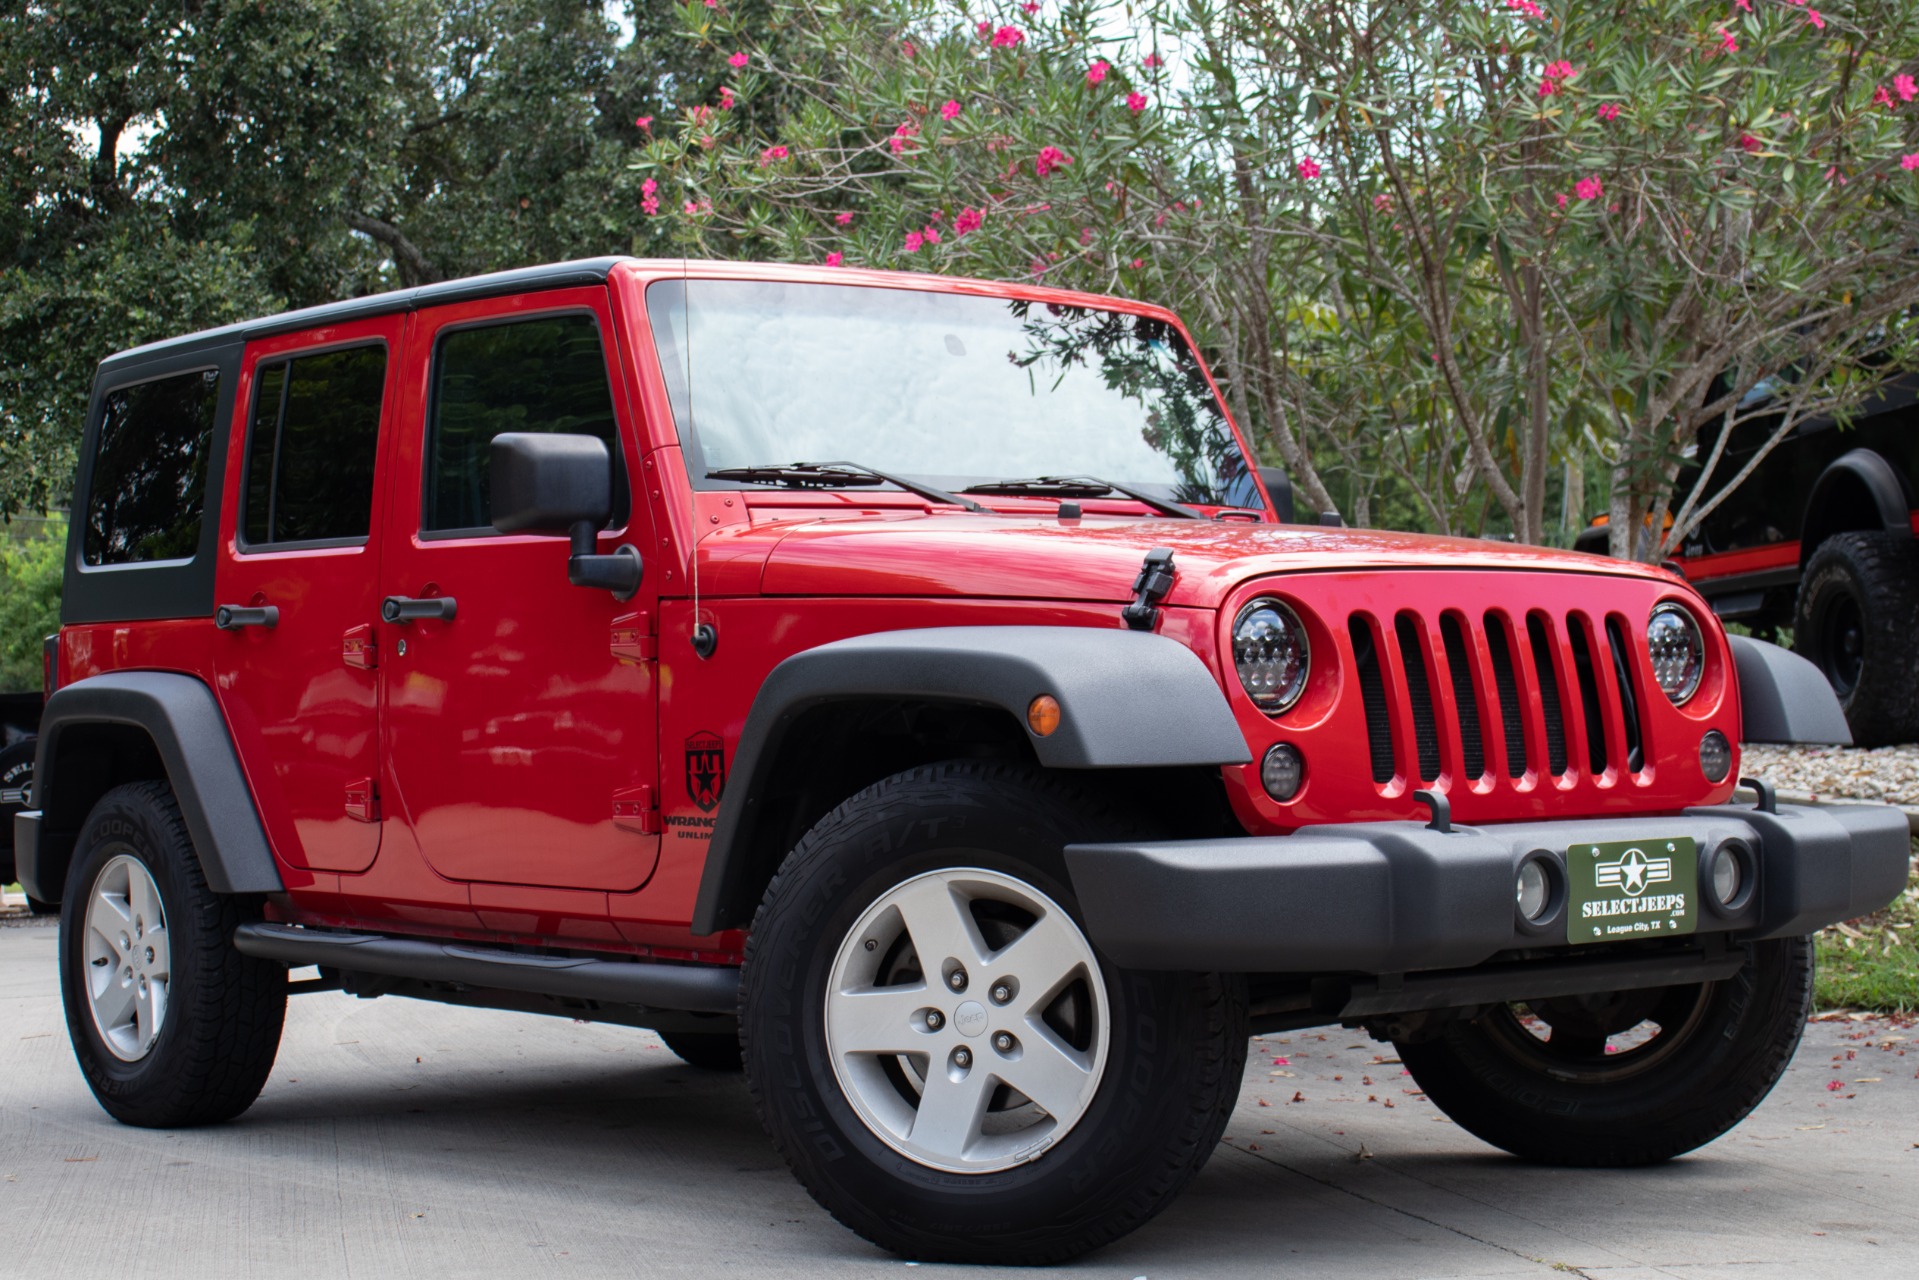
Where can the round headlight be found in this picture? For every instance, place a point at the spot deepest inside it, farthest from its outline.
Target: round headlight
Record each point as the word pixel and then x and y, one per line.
pixel 1678 651
pixel 1269 651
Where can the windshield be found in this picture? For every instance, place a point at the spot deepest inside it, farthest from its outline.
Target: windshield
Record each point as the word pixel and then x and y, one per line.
pixel 944 388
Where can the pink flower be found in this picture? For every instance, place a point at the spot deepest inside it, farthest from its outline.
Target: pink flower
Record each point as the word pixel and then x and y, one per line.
pixel 910 49
pixel 698 115
pixel 1750 143
pixel 712 4
pixel 1048 159
pixel 1151 61
pixel 1309 168
pixel 1728 43
pixel 1909 161
pixel 1904 86
pixel 1382 202
pixel 834 258
pixel 1561 70
pixel 1812 16
pixel 1880 98
pixel 950 109
pixel 726 98
pixel 969 219
pixel 738 61
pixel 1834 1086
pixel 771 154
pixel 1030 8
pixel 1609 111
pixel 1745 5
pixel 1525 8
pixel 1008 37
pixel 913 241
pixel 1282 1062
pixel 1136 101
pixel 650 197
pixel 644 122
pixel 1548 87
pixel 701 209
pixel 903 137
pixel 1560 199
pixel 844 219
pixel 985 28
pixel 1138 263
pixel 931 235
pixel 1588 188
pixel 1086 235
pixel 1097 72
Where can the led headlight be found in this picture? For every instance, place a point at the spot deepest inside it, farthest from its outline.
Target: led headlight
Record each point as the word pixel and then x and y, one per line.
pixel 1270 653
pixel 1678 651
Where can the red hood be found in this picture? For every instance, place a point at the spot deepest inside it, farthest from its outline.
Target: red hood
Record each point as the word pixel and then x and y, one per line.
pixel 913 554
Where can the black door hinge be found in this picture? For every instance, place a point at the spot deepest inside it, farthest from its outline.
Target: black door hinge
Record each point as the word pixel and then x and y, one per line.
pixel 1149 588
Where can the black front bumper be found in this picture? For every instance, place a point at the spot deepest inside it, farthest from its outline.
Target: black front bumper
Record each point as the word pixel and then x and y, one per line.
pixel 1398 897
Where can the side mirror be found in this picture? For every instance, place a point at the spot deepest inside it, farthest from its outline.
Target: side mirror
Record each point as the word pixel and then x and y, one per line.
pixel 562 484
pixel 1279 486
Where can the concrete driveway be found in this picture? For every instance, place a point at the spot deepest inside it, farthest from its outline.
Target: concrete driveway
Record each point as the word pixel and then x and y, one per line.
pixel 406 1139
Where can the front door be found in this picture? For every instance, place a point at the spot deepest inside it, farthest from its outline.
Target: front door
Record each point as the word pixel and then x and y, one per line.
pixel 299 684
pixel 519 721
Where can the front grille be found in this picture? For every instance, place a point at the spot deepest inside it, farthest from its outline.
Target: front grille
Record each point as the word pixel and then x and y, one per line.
pixel 1470 695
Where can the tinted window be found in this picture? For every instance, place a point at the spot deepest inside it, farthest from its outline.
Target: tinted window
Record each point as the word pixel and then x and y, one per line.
pixel 150 471
pixel 311 445
pixel 533 375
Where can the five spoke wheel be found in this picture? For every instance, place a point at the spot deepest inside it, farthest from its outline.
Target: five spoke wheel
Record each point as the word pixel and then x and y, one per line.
pixel 129 964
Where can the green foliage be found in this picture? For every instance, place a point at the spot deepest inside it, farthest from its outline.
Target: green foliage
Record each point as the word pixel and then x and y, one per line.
pixel 1872 964
pixel 30 575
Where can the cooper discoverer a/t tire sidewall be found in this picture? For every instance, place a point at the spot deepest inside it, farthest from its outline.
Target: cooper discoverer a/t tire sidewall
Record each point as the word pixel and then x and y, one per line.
pixel 1177 1041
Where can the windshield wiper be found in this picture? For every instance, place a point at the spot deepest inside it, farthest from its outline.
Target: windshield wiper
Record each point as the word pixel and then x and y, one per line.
pixel 837 475
pixel 1083 487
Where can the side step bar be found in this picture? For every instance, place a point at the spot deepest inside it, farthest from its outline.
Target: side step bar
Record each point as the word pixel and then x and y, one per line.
pixel 685 988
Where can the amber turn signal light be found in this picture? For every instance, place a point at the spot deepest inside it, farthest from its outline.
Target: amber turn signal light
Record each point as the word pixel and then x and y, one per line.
pixel 1042 715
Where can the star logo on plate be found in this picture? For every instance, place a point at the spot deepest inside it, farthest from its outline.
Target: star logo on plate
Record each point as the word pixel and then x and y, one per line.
pixel 1633 873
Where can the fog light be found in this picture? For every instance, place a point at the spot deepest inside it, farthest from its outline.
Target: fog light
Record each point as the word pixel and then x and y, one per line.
pixel 1715 756
pixel 1729 876
pixel 1282 771
pixel 1534 890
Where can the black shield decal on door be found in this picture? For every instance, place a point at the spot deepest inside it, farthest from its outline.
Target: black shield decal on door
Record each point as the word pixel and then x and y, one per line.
pixel 705 770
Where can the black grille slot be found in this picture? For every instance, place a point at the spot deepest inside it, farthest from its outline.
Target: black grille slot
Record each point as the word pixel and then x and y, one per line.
pixel 1628 694
pixel 1588 697
pixel 1548 693
pixel 1372 692
pixel 1419 684
pixel 1472 746
pixel 1506 678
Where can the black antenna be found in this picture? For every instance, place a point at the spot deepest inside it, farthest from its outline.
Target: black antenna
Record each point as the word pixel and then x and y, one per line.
pixel 705 638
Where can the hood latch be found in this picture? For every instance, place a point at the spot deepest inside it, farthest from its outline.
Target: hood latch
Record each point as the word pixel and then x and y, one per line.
pixel 1149 588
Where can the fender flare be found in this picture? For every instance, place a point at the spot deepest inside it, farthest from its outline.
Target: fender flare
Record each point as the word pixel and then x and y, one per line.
pixel 1891 502
pixel 1128 699
pixel 182 718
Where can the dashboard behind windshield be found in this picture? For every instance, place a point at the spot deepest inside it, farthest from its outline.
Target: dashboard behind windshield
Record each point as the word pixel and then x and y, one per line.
pixel 944 388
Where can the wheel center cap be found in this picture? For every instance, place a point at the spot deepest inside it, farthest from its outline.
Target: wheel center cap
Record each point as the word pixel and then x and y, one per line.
pixel 970 1018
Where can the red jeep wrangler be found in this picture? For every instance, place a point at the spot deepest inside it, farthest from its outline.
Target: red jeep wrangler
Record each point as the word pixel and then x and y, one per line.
pixel 909 687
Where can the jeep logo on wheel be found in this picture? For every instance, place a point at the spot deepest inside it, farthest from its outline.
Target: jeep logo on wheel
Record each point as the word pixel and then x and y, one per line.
pixel 705 770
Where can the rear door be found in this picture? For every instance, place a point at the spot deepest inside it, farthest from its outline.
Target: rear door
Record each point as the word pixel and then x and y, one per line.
pixel 520 725
pixel 299 682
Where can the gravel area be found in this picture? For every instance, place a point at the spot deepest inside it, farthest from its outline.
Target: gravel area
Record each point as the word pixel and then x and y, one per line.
pixel 1890 774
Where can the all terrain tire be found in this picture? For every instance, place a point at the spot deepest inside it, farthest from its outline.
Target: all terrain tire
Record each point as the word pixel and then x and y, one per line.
pixel 945 1061
pixel 1561 1098
pixel 170 1024
pixel 1856 619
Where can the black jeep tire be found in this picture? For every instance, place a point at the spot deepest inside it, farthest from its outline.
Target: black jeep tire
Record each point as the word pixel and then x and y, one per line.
pixel 16 771
pixel 1857 614
pixel 1173 1044
pixel 1564 1100
pixel 208 1053
pixel 707 1050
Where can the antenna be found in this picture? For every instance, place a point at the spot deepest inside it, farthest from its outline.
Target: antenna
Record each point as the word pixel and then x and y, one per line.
pixel 705 638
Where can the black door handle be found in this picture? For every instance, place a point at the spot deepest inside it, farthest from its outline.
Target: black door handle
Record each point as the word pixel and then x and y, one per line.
pixel 413 609
pixel 231 617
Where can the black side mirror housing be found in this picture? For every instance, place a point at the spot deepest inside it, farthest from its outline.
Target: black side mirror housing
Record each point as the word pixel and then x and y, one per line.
pixel 562 484
pixel 1279 486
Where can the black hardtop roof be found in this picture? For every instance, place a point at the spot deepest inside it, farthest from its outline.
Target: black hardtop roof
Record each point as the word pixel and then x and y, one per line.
pixel 558 275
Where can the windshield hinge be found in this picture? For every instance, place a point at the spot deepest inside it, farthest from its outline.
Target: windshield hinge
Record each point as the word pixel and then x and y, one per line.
pixel 1149 588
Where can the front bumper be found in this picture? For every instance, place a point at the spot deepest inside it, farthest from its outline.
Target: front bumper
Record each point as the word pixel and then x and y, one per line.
pixel 1398 897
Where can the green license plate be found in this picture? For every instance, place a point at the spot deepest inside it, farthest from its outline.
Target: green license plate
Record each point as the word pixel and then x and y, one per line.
pixel 1632 889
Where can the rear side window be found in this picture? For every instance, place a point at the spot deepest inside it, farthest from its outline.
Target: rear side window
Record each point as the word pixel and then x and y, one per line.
pixel 149 482
pixel 311 445
pixel 547 374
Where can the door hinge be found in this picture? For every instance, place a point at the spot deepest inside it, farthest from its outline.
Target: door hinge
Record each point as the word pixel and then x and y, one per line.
pixel 633 637
pixel 358 648
pixel 362 802
pixel 634 810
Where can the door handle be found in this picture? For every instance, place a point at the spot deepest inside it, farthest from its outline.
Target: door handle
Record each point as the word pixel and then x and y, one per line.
pixel 414 609
pixel 231 617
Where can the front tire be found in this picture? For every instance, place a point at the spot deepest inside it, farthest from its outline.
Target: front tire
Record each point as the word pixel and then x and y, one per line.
pixel 1629 1079
pixel 1855 619
pixel 171 1025
pixel 945 1061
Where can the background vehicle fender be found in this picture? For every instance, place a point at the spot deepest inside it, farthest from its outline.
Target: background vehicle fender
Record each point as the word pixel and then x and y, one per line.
pixel 113 728
pixel 1860 490
pixel 1128 699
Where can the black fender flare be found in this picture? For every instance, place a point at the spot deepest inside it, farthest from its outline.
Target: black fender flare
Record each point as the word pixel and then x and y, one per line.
pixel 1827 515
pixel 183 719
pixel 1128 699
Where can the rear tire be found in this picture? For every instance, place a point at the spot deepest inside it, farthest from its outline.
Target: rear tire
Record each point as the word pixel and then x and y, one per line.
pixel 1857 614
pixel 171 1025
pixel 1564 1099
pixel 931 891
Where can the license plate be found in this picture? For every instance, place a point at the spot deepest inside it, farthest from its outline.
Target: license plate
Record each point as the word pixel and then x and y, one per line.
pixel 1624 889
